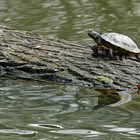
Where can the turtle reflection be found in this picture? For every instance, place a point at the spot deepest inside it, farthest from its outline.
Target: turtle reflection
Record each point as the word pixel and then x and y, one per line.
pixel 102 97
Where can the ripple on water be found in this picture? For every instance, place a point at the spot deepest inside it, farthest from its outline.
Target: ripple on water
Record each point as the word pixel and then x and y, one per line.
pixel 77 132
pixel 46 126
pixel 18 131
pixel 122 129
pixel 134 132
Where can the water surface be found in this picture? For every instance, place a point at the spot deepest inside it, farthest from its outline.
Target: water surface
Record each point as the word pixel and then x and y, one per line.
pixel 70 19
pixel 41 111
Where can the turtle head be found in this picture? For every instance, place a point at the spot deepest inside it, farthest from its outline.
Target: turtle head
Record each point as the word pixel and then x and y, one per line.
pixel 94 35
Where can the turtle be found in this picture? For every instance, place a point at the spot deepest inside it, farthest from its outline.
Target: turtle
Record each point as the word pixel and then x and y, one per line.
pixel 114 44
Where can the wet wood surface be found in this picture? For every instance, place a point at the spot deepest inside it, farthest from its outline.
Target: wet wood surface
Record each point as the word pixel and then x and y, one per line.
pixel 31 56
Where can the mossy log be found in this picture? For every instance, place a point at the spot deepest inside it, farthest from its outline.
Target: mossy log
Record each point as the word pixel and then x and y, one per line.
pixel 27 55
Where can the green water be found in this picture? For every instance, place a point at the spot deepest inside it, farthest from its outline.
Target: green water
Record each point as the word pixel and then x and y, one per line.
pixel 70 19
pixel 41 111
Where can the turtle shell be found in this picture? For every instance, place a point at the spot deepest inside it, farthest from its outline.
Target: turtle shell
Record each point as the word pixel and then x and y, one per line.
pixel 122 41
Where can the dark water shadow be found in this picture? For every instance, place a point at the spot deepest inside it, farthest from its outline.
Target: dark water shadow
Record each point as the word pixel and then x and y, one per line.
pixel 105 97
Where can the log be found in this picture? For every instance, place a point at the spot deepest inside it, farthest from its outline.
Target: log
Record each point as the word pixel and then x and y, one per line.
pixel 31 56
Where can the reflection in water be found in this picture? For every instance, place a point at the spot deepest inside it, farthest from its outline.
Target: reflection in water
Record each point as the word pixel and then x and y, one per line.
pixel 19 132
pixel 77 132
pixel 70 19
pixel 125 98
pixel 46 126
pixel 122 129
pixel 106 97
pixel 40 111
pixel 68 23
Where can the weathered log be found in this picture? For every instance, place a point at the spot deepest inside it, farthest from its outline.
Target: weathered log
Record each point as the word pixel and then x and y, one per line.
pixel 30 56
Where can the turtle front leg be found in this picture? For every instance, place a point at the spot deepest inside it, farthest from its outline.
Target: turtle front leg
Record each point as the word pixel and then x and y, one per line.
pixel 110 54
pixel 95 50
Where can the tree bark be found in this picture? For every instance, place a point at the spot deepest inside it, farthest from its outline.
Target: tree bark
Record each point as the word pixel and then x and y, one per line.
pixel 30 56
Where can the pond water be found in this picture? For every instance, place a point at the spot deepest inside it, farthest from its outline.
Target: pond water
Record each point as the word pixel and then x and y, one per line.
pixel 42 111
pixel 70 19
